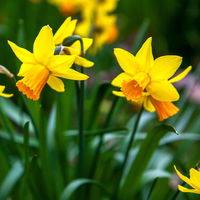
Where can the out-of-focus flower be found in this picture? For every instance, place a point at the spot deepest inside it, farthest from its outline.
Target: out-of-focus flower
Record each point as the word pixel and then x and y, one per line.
pixel 98 22
pixel 68 7
pixel 65 31
pixel 148 81
pixel 42 66
pixel 4 94
pixel 193 181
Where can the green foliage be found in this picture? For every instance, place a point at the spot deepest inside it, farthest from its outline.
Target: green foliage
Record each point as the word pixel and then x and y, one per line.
pixel 39 155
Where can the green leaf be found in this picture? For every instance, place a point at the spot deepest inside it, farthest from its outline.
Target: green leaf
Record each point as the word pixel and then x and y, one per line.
pixel 107 131
pixel 11 179
pixel 140 35
pixel 19 139
pixel 95 105
pixel 147 148
pixel 76 184
pixel 184 136
pixel 150 175
pixel 51 130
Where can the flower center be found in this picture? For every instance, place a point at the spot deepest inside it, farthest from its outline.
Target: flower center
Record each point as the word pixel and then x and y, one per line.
pixel 134 89
pixel 32 84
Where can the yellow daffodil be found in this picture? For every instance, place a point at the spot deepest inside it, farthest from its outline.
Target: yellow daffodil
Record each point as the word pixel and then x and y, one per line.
pixel 193 181
pixel 42 66
pixel 98 22
pixel 66 30
pixel 107 31
pixel 148 80
pixel 4 94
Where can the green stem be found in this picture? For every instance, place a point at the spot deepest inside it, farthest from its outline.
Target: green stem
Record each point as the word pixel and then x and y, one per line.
pixel 101 138
pixel 10 131
pixel 152 187
pixel 100 143
pixel 80 97
pixel 81 128
pixel 28 111
pixel 174 197
pixel 127 154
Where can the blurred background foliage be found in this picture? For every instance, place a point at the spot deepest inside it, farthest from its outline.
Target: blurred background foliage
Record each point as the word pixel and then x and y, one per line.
pixel 174 26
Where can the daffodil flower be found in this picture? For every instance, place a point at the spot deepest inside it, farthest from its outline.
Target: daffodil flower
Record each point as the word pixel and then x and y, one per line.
pixel 42 66
pixel 193 181
pixel 66 30
pixel 4 94
pixel 98 22
pixel 148 80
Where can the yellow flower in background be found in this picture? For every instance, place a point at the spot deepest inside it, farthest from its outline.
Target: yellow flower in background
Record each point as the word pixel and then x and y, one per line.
pixel 2 88
pixel 148 81
pixel 107 31
pixel 66 30
pixel 42 66
pixel 68 7
pixel 98 22
pixel 193 181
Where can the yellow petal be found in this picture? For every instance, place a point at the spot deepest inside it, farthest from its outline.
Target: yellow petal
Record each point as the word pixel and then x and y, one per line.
pixel 165 67
pixel 25 68
pixel 183 189
pixel 2 88
pixel 71 74
pixel 43 46
pixel 65 30
pixel 71 51
pixel 195 177
pixel 126 61
pixel 83 62
pixel 117 82
pixel 87 42
pixel 6 95
pixel 145 57
pixel 163 91
pixel 56 84
pixel 23 55
pixel 148 105
pixel 118 93
pixel 184 178
pixel 60 63
pixel 181 75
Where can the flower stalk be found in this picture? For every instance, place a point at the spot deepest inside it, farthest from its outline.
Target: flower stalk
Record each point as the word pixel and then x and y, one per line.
pixel 101 138
pixel 80 100
pixel 127 152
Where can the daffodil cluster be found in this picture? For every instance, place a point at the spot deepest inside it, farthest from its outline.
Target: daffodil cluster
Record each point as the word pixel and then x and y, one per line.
pixel 98 23
pixel 148 80
pixel 43 66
